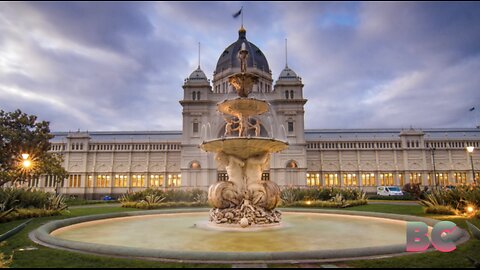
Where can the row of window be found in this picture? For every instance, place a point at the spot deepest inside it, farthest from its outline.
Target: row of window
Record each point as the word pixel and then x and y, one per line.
pixel 104 181
pixel 353 145
pixel 130 147
pixel 117 147
pixel 223 176
pixel 413 144
pixel 387 145
pixel 290 126
pixel 76 146
pixel 196 95
pixel 460 144
pixel 224 88
pixel 385 179
pixel 137 180
pixel 57 147
pixel 289 94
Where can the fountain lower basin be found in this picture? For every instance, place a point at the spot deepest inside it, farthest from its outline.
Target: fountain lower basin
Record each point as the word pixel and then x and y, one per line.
pixel 305 235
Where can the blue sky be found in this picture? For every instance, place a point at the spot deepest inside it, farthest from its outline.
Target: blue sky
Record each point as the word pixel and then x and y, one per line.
pixel 120 66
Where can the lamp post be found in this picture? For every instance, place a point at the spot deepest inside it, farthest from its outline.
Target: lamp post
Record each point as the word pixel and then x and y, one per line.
pixel 434 171
pixel 26 163
pixel 470 151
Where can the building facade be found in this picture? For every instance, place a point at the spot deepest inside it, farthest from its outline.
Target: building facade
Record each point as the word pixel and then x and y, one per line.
pixel 112 163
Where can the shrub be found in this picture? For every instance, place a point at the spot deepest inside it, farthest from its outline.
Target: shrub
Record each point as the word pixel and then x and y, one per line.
pixel 29 213
pixel 405 197
pixel 56 202
pixel 22 198
pixel 413 189
pixel 163 205
pixel 154 197
pixel 441 210
pixel 327 204
pixel 457 199
pixel 290 195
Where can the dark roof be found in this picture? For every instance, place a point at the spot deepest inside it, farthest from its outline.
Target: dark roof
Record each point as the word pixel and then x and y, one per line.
pixel 121 136
pixel 228 59
pixel 392 133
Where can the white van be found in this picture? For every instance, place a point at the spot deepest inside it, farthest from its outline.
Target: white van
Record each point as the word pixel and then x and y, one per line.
pixel 389 191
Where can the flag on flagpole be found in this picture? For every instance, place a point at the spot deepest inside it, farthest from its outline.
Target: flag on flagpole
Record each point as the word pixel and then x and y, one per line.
pixel 238 13
pixel 471 109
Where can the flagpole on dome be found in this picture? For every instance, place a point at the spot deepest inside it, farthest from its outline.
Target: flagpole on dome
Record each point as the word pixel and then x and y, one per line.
pixel 238 13
pixel 241 12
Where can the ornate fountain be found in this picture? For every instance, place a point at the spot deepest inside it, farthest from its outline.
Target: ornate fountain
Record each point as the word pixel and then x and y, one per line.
pixel 245 199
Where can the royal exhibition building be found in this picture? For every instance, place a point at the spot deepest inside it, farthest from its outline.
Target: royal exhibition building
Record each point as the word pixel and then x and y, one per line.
pixel 113 163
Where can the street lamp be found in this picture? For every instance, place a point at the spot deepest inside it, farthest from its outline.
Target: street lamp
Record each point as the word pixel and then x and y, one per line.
pixel 434 171
pixel 470 150
pixel 26 162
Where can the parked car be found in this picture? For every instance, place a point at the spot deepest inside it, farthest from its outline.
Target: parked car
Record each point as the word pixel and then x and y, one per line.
pixel 389 191
pixel 107 198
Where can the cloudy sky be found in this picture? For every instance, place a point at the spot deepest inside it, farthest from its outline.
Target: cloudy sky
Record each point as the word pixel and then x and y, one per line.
pixel 120 66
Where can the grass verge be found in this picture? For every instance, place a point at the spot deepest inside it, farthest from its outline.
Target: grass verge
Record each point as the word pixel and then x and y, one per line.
pixel 47 257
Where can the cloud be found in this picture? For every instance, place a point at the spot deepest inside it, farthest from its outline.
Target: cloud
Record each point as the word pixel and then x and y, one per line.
pixel 120 66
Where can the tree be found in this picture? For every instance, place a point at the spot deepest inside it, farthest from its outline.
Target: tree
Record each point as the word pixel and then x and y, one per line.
pixel 22 133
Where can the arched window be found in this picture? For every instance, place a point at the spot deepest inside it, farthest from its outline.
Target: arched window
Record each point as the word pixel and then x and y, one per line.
pixel 198 95
pixel 292 164
pixel 194 95
pixel 291 94
pixel 195 165
pixel 286 94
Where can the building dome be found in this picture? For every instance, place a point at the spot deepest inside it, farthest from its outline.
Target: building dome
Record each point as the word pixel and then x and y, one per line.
pixel 197 74
pixel 287 73
pixel 228 59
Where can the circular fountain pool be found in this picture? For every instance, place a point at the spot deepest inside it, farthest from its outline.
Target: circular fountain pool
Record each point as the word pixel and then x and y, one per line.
pixel 312 235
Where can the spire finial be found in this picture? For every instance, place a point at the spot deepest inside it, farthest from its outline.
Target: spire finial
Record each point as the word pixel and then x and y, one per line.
pixel 198 55
pixel 286 55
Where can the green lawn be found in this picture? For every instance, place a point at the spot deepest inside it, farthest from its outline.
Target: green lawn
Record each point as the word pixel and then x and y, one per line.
pixel 456 258
pixel 47 257
pixel 414 210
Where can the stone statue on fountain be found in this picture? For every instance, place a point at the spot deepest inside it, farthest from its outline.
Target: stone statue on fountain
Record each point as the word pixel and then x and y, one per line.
pixel 244 199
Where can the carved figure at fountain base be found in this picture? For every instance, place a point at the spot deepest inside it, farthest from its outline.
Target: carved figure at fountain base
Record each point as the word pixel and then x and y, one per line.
pixel 254 214
pixel 264 194
pixel 224 195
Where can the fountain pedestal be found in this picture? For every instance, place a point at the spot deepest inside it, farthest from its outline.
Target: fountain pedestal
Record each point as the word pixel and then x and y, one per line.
pixel 245 199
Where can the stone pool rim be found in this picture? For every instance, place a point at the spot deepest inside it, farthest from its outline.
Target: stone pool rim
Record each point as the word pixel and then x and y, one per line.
pixel 42 236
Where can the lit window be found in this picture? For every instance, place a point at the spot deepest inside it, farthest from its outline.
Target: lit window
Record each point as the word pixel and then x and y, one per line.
pixel 313 179
pixel 416 178
pixel 331 180
pixel 138 180
pixel 121 181
pixel 368 179
pixel 222 176
pixel 103 181
pixel 386 179
pixel 74 181
pixel 350 179
pixel 174 180
pixel 156 180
